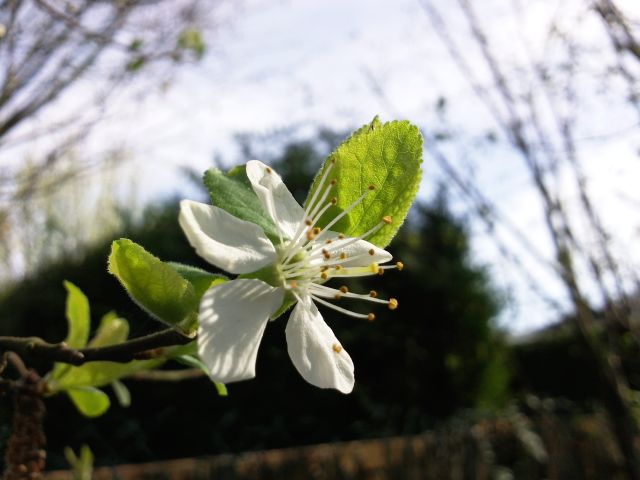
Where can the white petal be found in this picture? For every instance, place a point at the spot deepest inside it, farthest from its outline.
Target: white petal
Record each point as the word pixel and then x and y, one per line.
pixel 315 350
pixel 233 316
pixel 227 242
pixel 276 198
pixel 361 247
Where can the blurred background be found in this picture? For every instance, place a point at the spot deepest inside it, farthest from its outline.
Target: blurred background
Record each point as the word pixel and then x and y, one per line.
pixel 518 331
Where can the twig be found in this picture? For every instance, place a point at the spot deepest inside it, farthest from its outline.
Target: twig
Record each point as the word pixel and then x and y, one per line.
pixel 138 348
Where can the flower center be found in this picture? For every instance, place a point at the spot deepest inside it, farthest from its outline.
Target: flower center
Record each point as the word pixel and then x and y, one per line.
pixel 314 254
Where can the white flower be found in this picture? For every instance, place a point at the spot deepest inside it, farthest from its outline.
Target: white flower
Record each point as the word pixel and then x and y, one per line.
pixel 233 315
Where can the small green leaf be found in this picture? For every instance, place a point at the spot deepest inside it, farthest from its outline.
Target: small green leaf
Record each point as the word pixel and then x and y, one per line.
pixel 200 279
pixel 192 360
pixel 122 393
pixel 112 330
pixel 90 402
pixel 233 193
pixel 78 316
pixel 155 286
pixel 191 39
pixel 387 156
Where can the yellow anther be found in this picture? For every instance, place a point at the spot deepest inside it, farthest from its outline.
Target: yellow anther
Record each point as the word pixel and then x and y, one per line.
pixel 371 317
pixel 338 267
pixel 337 347
pixel 343 256
pixel 373 294
pixel 375 268
pixel 399 265
pixel 393 304
pixel 344 289
pixel 341 236
pixel 308 222
pixel 326 254
pixel 372 252
pixel 337 296
pixel 269 170
pixel 310 235
pixel 329 241
pixel 334 200
pixel 324 269
pixel 380 271
pixel 293 284
pixel 387 219
pixel 372 187
pixel 324 275
pixel 333 182
pixel 316 231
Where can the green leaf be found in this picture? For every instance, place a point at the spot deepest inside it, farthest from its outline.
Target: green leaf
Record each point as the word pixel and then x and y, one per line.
pixel 112 330
pixel 195 362
pixel 200 279
pixel 154 285
pixel 233 193
pixel 78 324
pixel 78 316
pixel 122 393
pixel 387 156
pixel 82 467
pixel 191 39
pixel 90 402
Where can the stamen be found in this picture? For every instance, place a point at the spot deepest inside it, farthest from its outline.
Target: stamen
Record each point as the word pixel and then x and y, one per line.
pixel 336 347
pixel 399 266
pixel 344 289
pixel 343 255
pixel 269 170
pixel 387 219
pixel 372 187
pixel 373 294
pixel 393 304
pixel 372 252
pixel 340 309
pixel 308 222
pixel 371 317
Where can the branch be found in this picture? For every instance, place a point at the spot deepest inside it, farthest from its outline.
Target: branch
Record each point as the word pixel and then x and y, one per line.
pixel 138 348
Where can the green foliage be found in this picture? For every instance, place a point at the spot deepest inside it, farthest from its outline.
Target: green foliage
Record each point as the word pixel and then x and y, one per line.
pixel 199 278
pixel 78 317
pixel 81 466
pixel 233 193
pixel 154 285
pixel 387 156
pixel 191 39
pixel 90 402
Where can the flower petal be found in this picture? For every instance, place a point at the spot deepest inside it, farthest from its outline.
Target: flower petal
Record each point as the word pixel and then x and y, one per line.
pixel 227 242
pixel 315 350
pixel 233 317
pixel 362 247
pixel 276 198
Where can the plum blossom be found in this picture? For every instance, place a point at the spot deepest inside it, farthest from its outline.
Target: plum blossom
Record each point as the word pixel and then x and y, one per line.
pixel 233 315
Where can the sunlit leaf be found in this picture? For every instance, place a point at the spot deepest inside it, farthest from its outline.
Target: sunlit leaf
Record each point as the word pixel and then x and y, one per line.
pixel 385 155
pixel 154 285
pixel 200 279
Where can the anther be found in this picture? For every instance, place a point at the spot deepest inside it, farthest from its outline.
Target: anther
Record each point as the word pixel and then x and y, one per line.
pixel 316 231
pixel 293 284
pixel 344 289
pixel 372 187
pixel 371 317
pixel 324 275
pixel 341 236
pixel 329 241
pixel 372 252
pixel 343 256
pixel 380 272
pixel 269 170
pixel 373 294
pixel 399 265
pixel 324 268
pixel 308 222
pixel 387 219
pixel 310 235
pixel 393 304
pixel 338 267
pixel 334 200
pixel 326 254
pixel 337 348
pixel 375 268
pixel 337 296
pixel 333 182
pixel 333 161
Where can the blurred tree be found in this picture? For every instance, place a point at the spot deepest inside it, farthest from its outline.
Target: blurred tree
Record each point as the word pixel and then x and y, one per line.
pixel 61 65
